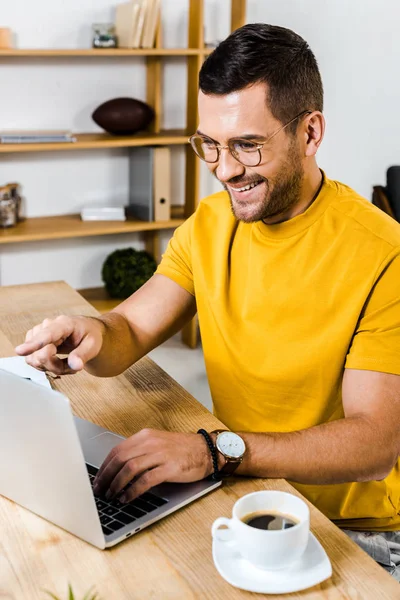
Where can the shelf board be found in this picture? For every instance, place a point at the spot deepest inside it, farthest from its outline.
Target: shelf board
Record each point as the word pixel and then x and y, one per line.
pixel 99 298
pixel 104 140
pixel 71 226
pixel 99 53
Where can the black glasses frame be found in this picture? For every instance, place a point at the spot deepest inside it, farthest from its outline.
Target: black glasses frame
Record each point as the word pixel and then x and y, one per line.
pixel 257 146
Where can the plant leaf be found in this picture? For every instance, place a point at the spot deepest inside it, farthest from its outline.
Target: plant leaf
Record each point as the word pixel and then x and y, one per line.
pixel 51 595
pixel 88 596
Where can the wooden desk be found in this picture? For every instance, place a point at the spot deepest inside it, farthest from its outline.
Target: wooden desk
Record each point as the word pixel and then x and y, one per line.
pixel 171 559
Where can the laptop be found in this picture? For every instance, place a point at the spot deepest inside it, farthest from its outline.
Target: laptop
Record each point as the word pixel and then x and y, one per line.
pixel 50 459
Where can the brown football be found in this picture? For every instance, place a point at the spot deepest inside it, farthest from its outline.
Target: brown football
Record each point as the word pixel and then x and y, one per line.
pixel 123 116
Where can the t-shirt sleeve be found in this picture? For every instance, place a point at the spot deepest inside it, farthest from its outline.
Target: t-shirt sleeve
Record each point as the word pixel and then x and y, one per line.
pixel 376 342
pixel 176 262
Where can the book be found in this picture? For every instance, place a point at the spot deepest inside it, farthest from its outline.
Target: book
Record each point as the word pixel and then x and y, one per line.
pixel 35 136
pixel 150 183
pixel 152 18
pixel 126 17
pixel 138 33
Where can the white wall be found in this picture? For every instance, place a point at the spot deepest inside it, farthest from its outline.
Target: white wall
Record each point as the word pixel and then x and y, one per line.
pixel 358 49
pixel 357 45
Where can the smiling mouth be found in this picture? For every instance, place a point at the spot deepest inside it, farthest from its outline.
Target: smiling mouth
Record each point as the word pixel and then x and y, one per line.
pixel 247 187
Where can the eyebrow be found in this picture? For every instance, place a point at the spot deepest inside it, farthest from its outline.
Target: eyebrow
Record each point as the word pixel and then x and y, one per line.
pixel 246 136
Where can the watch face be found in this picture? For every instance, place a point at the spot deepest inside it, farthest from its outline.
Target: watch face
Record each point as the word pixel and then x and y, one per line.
pixel 231 444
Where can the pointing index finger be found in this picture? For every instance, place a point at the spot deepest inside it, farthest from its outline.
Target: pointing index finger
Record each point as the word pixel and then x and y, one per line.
pixel 55 334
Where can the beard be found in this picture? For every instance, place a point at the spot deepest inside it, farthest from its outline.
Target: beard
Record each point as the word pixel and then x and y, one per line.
pixel 274 199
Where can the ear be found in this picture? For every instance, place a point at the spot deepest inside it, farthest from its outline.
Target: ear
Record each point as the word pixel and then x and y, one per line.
pixel 314 129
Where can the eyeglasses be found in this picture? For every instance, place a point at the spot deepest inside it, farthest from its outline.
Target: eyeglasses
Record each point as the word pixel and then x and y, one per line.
pixel 246 152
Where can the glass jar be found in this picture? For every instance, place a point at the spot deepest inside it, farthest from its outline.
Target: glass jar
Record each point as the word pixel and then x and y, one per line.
pixel 8 208
pixel 104 35
pixel 14 191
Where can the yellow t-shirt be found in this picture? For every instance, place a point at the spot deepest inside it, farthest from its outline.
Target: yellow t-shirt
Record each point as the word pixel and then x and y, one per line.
pixel 283 309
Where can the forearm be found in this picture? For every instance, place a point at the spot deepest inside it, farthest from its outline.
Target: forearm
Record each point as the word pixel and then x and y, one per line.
pixel 120 347
pixel 158 310
pixel 349 449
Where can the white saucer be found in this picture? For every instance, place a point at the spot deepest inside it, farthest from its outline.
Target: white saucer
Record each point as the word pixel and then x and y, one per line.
pixel 312 568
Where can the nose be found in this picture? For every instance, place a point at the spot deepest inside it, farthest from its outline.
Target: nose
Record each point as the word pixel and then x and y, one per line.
pixel 227 166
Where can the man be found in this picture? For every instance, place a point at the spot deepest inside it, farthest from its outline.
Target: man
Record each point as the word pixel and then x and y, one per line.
pixel 296 281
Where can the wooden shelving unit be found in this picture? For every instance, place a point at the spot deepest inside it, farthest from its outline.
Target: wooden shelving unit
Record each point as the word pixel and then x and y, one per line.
pixel 70 226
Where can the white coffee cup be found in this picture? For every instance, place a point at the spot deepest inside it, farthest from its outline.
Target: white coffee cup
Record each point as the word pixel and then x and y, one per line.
pixel 267 549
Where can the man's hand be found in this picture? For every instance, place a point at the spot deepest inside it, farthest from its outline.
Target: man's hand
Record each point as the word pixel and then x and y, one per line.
pixel 151 457
pixel 80 337
pixel 107 345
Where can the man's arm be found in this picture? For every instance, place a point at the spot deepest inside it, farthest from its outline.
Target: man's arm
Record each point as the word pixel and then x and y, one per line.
pixel 363 446
pixel 109 344
pixel 158 310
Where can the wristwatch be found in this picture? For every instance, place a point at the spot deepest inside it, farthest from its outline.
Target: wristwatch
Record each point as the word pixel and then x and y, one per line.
pixel 232 448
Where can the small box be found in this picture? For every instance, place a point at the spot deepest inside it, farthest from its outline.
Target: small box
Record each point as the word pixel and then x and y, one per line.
pixel 103 213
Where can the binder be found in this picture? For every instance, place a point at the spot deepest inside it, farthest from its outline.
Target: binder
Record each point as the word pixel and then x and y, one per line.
pixel 150 183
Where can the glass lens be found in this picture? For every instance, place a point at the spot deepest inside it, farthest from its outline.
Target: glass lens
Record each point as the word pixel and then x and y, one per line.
pixel 204 148
pixel 245 152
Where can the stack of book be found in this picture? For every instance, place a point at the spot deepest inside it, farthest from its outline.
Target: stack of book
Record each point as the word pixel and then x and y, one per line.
pixel 136 23
pixel 35 137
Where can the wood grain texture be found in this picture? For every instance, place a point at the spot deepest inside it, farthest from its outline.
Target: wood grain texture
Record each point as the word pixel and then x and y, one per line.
pixel 172 559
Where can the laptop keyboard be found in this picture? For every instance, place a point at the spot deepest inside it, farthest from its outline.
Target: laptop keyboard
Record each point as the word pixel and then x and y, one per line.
pixel 114 515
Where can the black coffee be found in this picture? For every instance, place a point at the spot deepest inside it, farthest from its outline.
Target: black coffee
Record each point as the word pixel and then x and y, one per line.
pixel 269 520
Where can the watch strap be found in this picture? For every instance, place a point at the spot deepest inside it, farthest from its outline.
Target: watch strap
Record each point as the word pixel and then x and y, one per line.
pixel 229 467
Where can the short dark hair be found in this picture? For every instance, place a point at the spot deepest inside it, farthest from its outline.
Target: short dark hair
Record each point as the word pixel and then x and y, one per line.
pixel 277 56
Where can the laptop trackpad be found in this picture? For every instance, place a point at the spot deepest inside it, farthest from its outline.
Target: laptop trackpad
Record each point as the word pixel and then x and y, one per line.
pixel 96 449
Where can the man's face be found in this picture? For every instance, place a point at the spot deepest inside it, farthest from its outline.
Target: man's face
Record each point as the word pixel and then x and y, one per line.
pixel 276 181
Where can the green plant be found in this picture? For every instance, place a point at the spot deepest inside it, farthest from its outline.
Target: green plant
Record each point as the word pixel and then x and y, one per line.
pixel 125 271
pixel 71 596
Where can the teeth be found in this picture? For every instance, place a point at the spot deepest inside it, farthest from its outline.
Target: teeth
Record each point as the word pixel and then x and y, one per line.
pixel 248 187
